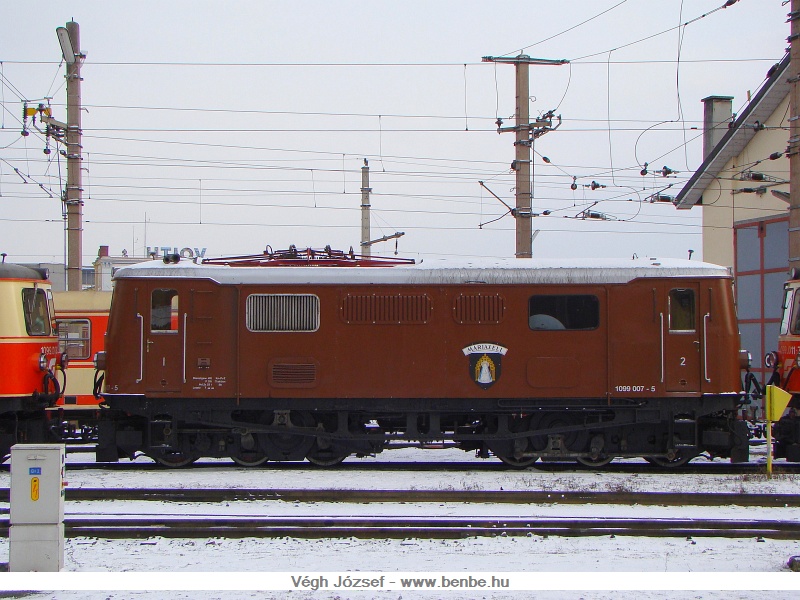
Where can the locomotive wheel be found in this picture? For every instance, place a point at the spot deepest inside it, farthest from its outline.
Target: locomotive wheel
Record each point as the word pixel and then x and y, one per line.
pixel 322 460
pixel 523 445
pixel 572 441
pixel 322 454
pixel 247 453
pixel 286 443
pixel 596 463
pixel 518 463
pixel 681 458
pixel 175 460
pixel 250 459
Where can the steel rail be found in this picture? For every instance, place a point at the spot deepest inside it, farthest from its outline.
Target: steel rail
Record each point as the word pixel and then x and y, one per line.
pixel 406 527
pixel 209 495
pixel 715 468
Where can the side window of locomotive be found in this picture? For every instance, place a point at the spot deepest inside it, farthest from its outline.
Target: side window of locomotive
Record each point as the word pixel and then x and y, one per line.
pixel 572 312
pixel 36 311
pixel 795 315
pixel 681 310
pixel 786 310
pixel 282 312
pixel 75 338
pixel 164 311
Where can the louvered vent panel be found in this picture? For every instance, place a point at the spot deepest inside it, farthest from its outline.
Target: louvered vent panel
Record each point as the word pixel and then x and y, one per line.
pixel 479 308
pixel 293 374
pixel 384 310
pixel 282 312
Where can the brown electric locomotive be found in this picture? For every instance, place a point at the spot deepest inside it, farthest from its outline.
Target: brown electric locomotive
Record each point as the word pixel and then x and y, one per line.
pixel 318 355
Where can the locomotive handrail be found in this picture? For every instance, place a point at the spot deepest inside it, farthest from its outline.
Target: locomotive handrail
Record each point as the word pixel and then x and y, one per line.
pixel 706 317
pixel 184 347
pixel 141 347
pixel 661 315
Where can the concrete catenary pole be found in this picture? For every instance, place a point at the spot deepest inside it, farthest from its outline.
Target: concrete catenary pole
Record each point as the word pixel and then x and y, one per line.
pixel 366 249
pixel 73 197
pixel 793 150
pixel 522 162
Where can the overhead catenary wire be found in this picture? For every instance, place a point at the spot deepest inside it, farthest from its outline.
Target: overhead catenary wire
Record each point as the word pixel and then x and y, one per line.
pixel 654 35
pixel 616 170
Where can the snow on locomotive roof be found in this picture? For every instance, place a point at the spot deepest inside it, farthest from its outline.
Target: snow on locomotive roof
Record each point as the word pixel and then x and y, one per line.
pixel 15 271
pixel 489 271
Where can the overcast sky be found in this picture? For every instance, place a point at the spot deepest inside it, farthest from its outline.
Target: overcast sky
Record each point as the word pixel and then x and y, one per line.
pixel 235 125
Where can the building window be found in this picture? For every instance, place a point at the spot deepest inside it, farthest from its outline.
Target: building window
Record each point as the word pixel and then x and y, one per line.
pixel 75 338
pixel 563 312
pixel 282 312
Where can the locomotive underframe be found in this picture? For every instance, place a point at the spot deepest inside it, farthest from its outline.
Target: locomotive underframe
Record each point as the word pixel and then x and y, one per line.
pixel 786 433
pixel 252 431
pixel 23 420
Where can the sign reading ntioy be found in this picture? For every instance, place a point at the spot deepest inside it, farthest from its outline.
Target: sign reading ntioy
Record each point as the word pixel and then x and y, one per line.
pixel 158 251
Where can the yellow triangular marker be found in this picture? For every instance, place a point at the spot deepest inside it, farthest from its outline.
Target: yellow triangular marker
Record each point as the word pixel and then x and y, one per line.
pixel 777 401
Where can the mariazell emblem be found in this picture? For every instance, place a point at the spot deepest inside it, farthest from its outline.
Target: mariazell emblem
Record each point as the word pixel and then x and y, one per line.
pixel 484 362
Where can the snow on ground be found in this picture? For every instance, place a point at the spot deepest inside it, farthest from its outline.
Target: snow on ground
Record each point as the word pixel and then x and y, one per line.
pixel 159 560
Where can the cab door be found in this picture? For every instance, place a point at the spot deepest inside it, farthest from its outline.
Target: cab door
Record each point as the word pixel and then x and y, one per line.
pixel 164 341
pixel 681 344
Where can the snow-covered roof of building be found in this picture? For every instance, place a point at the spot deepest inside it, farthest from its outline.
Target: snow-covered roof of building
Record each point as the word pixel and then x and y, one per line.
pixel 763 104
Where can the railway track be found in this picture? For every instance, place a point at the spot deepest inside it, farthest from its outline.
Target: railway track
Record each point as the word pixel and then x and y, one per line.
pixel 713 468
pixel 405 527
pixel 431 496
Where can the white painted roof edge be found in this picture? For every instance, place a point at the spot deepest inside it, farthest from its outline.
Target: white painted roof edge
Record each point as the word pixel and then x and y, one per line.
pixel 490 271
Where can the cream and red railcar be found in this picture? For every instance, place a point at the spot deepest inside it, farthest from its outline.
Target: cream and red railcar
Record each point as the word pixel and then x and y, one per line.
pixel 321 355
pixel 29 356
pixel 786 374
pixel 81 320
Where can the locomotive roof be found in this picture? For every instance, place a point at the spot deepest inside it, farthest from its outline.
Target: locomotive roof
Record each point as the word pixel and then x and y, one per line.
pixel 12 271
pixel 489 271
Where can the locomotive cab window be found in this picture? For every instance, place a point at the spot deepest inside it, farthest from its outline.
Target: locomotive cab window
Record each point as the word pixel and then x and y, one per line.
pixel 786 310
pixel 795 311
pixel 681 310
pixel 74 338
pixel 572 312
pixel 37 311
pixel 164 311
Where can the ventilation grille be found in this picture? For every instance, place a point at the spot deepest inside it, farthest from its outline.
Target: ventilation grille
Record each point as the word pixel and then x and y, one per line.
pixel 478 308
pixel 385 310
pixel 282 312
pixel 288 372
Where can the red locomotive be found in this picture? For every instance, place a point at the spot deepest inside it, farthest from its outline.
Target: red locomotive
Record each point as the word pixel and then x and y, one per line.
pixel 786 374
pixel 29 354
pixel 319 354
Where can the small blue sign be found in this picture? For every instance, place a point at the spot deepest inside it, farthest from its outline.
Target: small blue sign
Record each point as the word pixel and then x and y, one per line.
pixel 34 470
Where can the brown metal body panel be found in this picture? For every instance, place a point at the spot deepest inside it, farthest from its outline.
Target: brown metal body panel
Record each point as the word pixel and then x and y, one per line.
pixel 208 351
pixel 196 356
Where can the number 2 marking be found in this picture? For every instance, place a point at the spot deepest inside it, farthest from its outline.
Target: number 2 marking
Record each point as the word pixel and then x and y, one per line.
pixel 683 361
